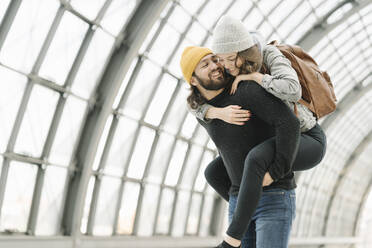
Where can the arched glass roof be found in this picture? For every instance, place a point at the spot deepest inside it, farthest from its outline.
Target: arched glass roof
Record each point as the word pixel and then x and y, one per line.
pixel 96 139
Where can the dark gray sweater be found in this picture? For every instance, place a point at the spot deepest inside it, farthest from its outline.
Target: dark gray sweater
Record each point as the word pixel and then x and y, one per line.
pixel 270 117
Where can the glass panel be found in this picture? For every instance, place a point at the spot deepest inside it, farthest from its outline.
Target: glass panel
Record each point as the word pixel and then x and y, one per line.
pixel 206 216
pixel 212 12
pixel 147 215
pixel 161 100
pixel 189 126
pixel 68 129
pixel 293 20
pixel 253 20
pixel 88 201
pixel 284 9
pixel 211 144
pixel 239 9
pixel 93 63
pixel 299 32
pixel 64 48
pixel 179 19
pixel 176 163
pixel 160 159
pixel 191 5
pixel 174 66
pixel 177 111
pixel 51 205
pixel 89 8
pixel 106 206
pixel 164 45
pixel 27 33
pixel 121 146
pixel 180 215
pixel 11 90
pixel 19 190
pixel 118 14
pixel 165 211
pixel 196 33
pixel 200 180
pixel 266 29
pixel 36 122
pixel 194 215
pixel 142 89
pixel 192 164
pixel 324 7
pixel 141 153
pixel 128 208
pixel 201 136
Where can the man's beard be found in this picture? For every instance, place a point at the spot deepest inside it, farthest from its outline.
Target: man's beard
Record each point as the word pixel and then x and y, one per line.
pixel 213 84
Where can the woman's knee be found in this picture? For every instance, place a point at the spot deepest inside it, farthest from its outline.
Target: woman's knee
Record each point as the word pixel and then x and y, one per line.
pixel 256 163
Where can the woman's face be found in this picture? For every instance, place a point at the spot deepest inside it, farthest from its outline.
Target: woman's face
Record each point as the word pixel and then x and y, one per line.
pixel 251 58
pixel 230 61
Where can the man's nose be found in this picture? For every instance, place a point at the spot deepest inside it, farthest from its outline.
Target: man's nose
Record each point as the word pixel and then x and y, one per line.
pixel 214 65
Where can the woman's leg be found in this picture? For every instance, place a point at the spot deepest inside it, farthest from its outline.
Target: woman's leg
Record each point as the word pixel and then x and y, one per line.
pixel 255 166
pixel 249 238
pixel 311 150
pixel 217 177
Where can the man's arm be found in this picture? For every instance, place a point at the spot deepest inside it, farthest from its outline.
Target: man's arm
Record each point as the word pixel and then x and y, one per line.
pixel 274 112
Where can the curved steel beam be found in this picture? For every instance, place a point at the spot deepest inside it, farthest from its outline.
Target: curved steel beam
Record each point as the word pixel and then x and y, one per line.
pixel 127 46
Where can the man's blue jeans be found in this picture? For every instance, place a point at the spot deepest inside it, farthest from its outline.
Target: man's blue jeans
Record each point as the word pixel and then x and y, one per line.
pixel 271 224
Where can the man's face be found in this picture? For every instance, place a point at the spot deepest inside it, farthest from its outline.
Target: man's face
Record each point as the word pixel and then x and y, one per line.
pixel 209 73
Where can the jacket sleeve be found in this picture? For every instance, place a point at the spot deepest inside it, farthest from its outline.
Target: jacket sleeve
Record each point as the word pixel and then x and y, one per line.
pixel 283 81
pixel 274 112
pixel 200 112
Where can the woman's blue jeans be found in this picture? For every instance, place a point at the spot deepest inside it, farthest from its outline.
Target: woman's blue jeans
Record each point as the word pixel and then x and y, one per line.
pixel 271 224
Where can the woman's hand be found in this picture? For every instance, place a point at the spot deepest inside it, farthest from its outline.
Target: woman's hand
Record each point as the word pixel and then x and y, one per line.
pixel 232 114
pixel 267 180
pixel 255 76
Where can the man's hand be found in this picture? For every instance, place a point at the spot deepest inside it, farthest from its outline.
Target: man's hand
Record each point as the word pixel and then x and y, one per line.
pixel 267 180
pixel 233 114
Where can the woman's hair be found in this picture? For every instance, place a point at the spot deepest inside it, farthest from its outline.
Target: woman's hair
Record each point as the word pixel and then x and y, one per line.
pixel 251 58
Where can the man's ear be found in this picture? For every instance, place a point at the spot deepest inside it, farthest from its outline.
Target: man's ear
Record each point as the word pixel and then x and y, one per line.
pixel 194 81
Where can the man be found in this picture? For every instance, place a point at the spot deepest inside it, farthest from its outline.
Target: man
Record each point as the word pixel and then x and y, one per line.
pixel 263 221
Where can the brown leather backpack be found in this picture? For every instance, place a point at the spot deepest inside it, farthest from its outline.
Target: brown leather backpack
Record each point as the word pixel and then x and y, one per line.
pixel 317 89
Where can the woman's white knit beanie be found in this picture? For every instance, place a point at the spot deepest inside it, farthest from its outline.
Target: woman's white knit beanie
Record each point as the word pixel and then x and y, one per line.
pixel 230 35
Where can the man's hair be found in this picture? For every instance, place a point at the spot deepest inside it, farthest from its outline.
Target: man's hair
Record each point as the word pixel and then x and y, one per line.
pixel 195 98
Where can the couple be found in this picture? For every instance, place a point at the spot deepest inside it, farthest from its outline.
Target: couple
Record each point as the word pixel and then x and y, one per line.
pixel 244 95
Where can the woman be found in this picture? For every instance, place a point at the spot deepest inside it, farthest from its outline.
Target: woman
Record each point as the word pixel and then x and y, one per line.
pixel 246 58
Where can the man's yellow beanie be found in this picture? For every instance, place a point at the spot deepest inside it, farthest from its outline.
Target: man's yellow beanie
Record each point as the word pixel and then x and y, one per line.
pixel 190 59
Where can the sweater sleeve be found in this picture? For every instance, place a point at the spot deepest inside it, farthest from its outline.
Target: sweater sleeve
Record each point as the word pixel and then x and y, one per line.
pixel 283 81
pixel 274 112
pixel 200 112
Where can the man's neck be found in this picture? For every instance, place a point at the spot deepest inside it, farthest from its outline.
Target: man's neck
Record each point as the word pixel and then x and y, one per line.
pixel 210 94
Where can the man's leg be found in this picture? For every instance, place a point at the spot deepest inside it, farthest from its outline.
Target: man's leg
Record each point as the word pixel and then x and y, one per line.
pixel 310 152
pixel 274 216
